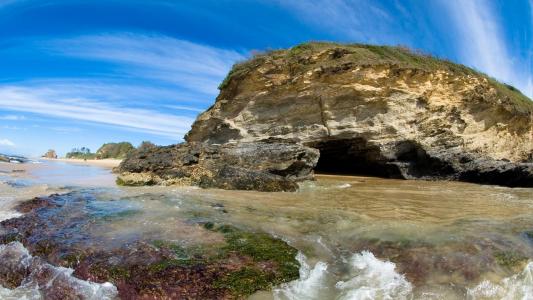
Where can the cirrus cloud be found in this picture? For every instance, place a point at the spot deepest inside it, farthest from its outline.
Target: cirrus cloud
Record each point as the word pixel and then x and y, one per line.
pixel 6 142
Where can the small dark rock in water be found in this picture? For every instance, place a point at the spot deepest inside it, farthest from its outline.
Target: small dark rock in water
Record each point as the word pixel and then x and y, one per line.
pixel 529 235
pixel 16 183
pixel 219 207
pixel 12 158
pixel 57 229
pixel 35 203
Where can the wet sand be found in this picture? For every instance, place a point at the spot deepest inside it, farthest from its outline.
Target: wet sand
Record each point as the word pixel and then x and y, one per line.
pixel 106 163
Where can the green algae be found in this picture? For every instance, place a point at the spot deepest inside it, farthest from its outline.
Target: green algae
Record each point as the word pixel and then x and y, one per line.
pixel 245 281
pixel 260 247
pixel 509 258
pixel 71 260
pixel 256 251
pixel 120 182
pixel 118 273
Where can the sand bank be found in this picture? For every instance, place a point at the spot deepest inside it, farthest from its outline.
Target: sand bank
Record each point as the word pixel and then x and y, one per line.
pixel 106 163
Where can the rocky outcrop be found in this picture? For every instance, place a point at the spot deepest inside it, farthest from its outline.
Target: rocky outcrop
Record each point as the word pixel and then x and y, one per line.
pixel 12 159
pixel 264 165
pixel 369 110
pixel 51 154
pixel 114 150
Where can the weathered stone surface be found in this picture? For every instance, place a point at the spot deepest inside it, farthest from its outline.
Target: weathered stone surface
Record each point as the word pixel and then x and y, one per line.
pixel 374 111
pixel 264 166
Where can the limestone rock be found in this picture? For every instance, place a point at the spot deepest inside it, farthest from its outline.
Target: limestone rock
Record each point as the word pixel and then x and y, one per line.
pixel 363 109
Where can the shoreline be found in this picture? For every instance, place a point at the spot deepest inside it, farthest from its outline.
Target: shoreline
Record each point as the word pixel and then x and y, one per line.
pixel 106 163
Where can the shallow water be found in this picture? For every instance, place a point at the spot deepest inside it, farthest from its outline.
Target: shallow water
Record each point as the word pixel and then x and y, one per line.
pixel 359 238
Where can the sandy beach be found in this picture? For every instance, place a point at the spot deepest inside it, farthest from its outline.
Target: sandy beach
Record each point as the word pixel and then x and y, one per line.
pixel 106 163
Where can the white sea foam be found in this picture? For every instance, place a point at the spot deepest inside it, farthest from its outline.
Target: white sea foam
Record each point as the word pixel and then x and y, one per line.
pixel 310 285
pixel 518 286
pixel 344 186
pixel 369 278
pixel 20 293
pixel 9 214
pixel 373 279
pixel 46 281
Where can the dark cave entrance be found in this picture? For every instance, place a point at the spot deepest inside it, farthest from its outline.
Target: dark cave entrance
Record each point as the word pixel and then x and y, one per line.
pixel 353 157
pixel 359 157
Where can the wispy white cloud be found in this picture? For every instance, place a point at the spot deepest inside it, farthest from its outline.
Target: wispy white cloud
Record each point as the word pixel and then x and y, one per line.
pixel 481 38
pixel 481 43
pixel 353 20
pixel 186 108
pixel 7 127
pixel 72 105
pixel 12 118
pixel 191 66
pixel 6 142
pixel 65 129
pixel 155 84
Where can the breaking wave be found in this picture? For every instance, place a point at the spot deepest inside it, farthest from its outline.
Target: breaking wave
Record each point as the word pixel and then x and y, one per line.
pixel 373 279
pixel 518 286
pixel 368 278
pixel 310 285
pixel 44 281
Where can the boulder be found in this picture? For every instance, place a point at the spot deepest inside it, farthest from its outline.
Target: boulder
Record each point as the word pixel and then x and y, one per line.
pixel 262 165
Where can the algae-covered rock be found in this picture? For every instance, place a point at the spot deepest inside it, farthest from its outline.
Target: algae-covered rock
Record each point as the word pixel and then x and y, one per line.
pixel 57 229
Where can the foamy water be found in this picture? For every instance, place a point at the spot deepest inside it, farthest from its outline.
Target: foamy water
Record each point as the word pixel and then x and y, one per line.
pixel 368 278
pixel 519 286
pixel 46 281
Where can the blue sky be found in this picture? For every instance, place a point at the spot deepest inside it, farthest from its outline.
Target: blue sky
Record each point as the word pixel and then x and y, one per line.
pixel 81 73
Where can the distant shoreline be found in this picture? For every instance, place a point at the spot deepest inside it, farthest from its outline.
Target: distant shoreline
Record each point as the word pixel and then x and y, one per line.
pixel 106 163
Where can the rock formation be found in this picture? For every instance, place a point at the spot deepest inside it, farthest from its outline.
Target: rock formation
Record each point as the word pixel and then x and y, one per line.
pixel 50 154
pixel 114 150
pixel 264 165
pixel 368 110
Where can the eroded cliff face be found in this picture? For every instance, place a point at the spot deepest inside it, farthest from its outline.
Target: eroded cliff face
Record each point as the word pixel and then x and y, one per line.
pixel 377 111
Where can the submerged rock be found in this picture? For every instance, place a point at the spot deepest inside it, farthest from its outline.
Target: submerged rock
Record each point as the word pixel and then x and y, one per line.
pixel 63 230
pixel 367 110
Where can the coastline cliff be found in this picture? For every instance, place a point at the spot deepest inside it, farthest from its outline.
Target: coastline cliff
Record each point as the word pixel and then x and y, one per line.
pixel 350 109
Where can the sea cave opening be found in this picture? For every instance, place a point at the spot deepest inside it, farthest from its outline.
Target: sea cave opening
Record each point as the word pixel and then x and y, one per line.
pixel 353 157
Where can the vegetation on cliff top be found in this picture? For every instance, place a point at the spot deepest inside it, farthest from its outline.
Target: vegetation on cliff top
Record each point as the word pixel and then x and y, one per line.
pixel 81 153
pixel 362 54
pixel 114 150
pixel 107 150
